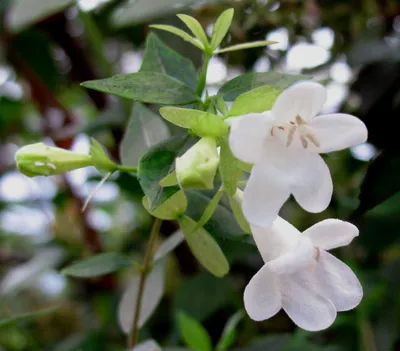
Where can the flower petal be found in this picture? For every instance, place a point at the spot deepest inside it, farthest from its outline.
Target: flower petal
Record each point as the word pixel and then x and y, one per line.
pixel 261 297
pixel 304 99
pixel 301 257
pixel 248 134
pixel 338 282
pixel 304 302
pixel 312 184
pixel 337 132
pixel 276 240
pixel 331 233
pixel 266 191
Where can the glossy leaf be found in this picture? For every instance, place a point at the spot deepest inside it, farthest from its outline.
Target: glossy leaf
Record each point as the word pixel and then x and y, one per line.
pixel 156 164
pixel 98 265
pixel 152 294
pixel 193 333
pixel 229 168
pixel 221 27
pixel 171 208
pixel 144 129
pixel 150 87
pixel 158 57
pixel 249 81
pixel 169 180
pixel 229 333
pixel 25 317
pixel 254 44
pixel 204 247
pixel 179 33
pixel 196 28
pixel 255 101
pixel 24 13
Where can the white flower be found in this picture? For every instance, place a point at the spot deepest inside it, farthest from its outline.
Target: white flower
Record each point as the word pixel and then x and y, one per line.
pixel 310 284
pixel 284 145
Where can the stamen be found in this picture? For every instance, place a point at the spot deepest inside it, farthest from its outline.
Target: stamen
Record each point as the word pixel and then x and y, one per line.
pixel 300 121
pixel 272 131
pixel 313 139
pixel 304 141
pixel 290 136
pixel 318 253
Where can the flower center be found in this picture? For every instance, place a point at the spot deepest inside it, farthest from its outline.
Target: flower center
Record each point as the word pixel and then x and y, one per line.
pixel 302 128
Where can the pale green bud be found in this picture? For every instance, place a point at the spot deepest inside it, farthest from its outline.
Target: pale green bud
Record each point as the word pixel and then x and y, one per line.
pixel 100 158
pixel 198 166
pixel 41 159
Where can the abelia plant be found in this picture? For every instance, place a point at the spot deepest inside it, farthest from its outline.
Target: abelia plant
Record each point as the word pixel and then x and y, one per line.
pixel 269 138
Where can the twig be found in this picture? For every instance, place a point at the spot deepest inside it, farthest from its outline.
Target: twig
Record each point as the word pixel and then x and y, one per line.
pixel 147 265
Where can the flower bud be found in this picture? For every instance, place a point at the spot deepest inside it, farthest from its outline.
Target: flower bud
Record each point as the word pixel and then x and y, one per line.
pixel 100 159
pixel 197 167
pixel 40 159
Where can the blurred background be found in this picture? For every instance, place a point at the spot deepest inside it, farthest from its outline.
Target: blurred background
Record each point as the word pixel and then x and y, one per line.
pixel 47 47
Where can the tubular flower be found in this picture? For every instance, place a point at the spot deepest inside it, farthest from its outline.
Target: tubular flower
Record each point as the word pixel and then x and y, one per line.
pixel 309 283
pixel 284 145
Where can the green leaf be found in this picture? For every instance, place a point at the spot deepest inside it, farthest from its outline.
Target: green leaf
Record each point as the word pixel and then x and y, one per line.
pixel 25 13
pixel 158 57
pixel 221 27
pixel 257 100
pixel 179 33
pixel 204 247
pixel 25 317
pixel 229 168
pixel 156 164
pixel 239 216
pixel 150 87
pixel 170 209
pixel 254 44
pixel 220 105
pixel 193 333
pixel 169 180
pixel 203 295
pixel 202 123
pixel 222 223
pixel 242 84
pixel 196 28
pixel 229 333
pixel 209 211
pixel 144 129
pixel 98 265
pixel 381 181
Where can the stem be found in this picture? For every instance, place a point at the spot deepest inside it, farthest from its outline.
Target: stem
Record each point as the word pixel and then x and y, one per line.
pixel 132 169
pixel 203 75
pixel 147 265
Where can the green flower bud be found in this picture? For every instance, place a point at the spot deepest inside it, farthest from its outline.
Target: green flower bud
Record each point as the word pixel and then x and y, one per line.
pixel 40 159
pixel 197 167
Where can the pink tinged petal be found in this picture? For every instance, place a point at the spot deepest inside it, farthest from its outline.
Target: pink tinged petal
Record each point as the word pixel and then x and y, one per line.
pixel 331 233
pixel 247 136
pixel 261 297
pixel 266 191
pixel 337 132
pixel 305 303
pixel 338 282
pixel 276 240
pixel 301 257
pixel 304 99
pixel 312 184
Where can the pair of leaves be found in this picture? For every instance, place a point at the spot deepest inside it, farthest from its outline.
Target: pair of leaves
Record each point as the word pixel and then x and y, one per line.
pixel 164 78
pixel 196 337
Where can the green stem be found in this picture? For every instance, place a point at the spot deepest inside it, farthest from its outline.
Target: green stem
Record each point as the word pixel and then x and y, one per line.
pixel 131 169
pixel 96 40
pixel 146 269
pixel 201 84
